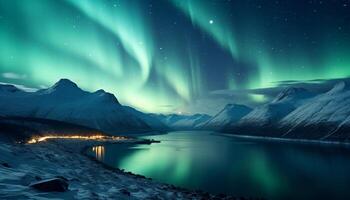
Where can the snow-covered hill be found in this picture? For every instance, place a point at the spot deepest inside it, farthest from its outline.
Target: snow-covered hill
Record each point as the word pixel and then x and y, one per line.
pixel 150 119
pixel 270 113
pixel 326 114
pixel 183 122
pixel 229 115
pixel 65 101
pixel 294 113
pixel 297 113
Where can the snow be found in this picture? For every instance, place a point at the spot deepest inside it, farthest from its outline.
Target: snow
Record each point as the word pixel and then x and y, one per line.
pixel 330 107
pixel 178 122
pixel 65 101
pixel 268 113
pixel 229 115
pixel 285 102
pixel 293 94
pixel 87 179
pixel 150 119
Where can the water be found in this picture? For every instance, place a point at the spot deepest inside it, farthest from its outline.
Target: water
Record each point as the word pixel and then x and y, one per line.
pixel 219 164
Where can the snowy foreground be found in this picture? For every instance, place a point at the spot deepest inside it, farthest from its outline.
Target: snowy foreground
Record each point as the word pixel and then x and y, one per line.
pixel 24 164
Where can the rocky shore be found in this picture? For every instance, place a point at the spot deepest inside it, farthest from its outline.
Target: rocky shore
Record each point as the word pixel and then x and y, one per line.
pixel 60 169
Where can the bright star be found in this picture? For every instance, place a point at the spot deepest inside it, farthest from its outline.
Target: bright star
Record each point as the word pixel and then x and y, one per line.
pixel 211 21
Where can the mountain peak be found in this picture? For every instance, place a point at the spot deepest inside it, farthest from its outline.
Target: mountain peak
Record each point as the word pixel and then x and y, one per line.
pixel 339 87
pixel 63 88
pixel 8 88
pixel 290 93
pixel 100 91
pixel 233 105
pixel 235 109
pixel 105 96
pixel 65 83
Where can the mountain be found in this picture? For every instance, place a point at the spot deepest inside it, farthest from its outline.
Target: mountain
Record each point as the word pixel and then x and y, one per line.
pixel 229 115
pixel 285 102
pixel 150 119
pixel 24 128
pixel 263 119
pixel 293 95
pixel 325 116
pixel 183 122
pixel 296 113
pixel 5 88
pixel 66 102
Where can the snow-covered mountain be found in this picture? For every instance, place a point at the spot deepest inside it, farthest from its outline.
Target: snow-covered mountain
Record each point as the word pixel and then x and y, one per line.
pixel 297 113
pixel 65 101
pixel 183 122
pixel 293 95
pixel 326 115
pixel 231 114
pixel 294 113
pixel 150 119
pixel 270 113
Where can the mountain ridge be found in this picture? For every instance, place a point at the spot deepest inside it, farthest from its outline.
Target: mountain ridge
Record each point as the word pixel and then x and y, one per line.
pixel 65 101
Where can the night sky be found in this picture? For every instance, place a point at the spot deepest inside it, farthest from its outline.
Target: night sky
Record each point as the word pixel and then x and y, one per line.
pixel 174 55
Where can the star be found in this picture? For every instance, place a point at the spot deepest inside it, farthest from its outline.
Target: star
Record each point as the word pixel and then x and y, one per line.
pixel 211 21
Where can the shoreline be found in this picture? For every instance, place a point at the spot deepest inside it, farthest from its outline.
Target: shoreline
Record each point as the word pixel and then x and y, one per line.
pixel 88 178
pixel 193 193
pixel 287 140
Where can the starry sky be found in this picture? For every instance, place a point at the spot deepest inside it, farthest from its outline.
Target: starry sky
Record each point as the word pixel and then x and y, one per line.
pixel 174 55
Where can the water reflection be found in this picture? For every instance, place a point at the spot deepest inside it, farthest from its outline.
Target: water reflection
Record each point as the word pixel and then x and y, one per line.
pixel 99 152
pixel 200 160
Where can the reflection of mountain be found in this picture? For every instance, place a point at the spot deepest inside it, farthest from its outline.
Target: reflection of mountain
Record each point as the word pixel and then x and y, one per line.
pixel 65 101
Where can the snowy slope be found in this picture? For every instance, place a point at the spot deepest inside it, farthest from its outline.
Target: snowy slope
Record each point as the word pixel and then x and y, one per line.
pixel 329 110
pixel 186 122
pixel 150 119
pixel 229 115
pixel 65 101
pixel 285 102
pixel 332 106
pixel 293 95
pixel 296 113
pixel 23 165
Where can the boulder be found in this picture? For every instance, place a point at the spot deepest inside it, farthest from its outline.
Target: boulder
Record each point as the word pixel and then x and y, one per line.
pixel 125 192
pixel 6 165
pixel 51 185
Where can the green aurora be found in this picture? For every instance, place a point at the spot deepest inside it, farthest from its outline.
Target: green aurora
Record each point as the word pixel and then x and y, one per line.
pixel 160 55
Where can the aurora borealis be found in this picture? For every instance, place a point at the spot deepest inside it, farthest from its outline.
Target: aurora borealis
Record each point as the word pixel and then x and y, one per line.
pixel 162 55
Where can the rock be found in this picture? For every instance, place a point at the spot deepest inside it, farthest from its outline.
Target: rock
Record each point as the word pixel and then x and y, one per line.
pixel 63 178
pixel 51 185
pixel 6 165
pixel 28 179
pixel 221 196
pixel 125 192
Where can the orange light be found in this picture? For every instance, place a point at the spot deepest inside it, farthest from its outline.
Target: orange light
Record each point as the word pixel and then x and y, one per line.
pixel 99 152
pixel 79 137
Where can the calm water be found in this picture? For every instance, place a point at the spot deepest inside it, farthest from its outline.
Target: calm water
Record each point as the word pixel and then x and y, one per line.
pixel 218 164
